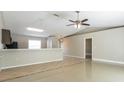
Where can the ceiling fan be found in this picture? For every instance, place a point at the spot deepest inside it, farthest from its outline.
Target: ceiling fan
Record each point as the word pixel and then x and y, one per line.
pixel 78 22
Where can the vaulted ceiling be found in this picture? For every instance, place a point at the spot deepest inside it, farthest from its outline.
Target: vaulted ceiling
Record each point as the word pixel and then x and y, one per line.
pixel 17 21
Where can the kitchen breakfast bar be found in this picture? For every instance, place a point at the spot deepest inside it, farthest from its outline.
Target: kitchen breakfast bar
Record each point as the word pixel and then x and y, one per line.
pixel 10 58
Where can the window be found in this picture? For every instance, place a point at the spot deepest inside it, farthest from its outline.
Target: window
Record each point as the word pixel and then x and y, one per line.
pixel 34 44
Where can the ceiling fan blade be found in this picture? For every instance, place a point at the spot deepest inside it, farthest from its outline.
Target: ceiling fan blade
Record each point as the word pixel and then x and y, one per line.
pixel 84 20
pixel 56 15
pixel 71 21
pixel 51 36
pixel 69 24
pixel 85 24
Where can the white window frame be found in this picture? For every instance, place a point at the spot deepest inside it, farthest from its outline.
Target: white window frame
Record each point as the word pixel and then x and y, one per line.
pixel 34 44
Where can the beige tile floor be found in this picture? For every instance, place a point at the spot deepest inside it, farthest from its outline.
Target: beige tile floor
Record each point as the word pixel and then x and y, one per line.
pixel 81 71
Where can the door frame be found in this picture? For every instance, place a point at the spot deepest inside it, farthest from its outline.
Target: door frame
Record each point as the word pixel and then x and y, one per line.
pixel 85 46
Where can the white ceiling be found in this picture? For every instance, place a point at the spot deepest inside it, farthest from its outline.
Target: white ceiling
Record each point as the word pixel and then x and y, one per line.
pixel 17 21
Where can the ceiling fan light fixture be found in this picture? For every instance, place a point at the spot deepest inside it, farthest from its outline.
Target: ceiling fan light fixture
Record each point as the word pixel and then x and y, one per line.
pixel 77 26
pixel 78 23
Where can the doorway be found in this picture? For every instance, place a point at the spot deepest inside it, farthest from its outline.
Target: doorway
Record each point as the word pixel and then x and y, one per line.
pixel 88 48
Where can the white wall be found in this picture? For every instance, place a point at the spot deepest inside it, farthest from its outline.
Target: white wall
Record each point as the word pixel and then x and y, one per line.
pixel 0 39
pixel 55 43
pixel 49 42
pixel 73 46
pixel 52 42
pixel 1 26
pixel 23 41
pixel 107 45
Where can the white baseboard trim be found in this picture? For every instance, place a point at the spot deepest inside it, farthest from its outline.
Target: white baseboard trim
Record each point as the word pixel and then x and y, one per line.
pixel 108 61
pixel 74 56
pixel 2 68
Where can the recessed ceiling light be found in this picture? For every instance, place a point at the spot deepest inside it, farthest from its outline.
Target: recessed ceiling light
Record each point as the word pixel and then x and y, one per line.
pixel 34 29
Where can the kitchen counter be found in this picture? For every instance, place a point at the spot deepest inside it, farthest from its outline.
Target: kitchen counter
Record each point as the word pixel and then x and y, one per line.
pixel 10 58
